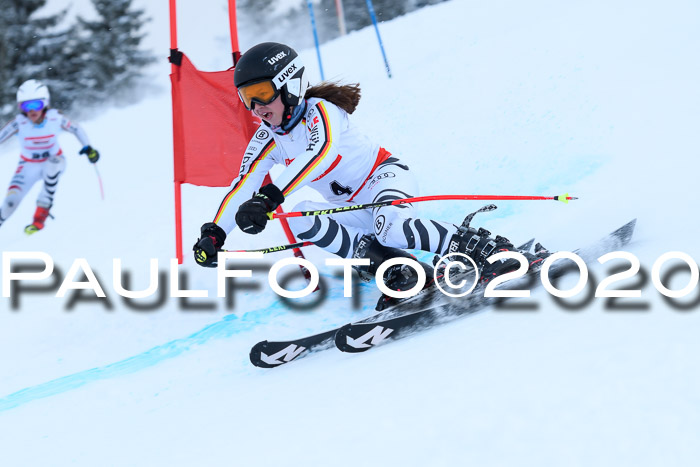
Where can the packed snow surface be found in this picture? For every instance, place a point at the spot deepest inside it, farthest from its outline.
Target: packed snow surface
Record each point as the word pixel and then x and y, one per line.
pixel 597 99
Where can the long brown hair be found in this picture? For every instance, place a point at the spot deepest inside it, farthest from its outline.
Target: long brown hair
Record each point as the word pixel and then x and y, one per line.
pixel 345 96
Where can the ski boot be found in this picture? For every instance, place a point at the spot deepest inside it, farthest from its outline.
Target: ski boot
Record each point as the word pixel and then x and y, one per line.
pixel 479 246
pixel 541 253
pixel 40 216
pixel 397 277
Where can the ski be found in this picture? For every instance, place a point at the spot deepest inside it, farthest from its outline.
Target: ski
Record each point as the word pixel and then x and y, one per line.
pixel 526 246
pixel 271 354
pixel 266 354
pixel 360 337
pixel 420 309
pixel 31 229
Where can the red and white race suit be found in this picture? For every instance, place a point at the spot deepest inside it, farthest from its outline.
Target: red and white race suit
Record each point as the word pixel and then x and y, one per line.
pixel 327 153
pixel 41 157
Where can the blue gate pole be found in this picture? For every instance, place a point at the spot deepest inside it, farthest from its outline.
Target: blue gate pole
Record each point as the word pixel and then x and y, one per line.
pixel 370 7
pixel 313 26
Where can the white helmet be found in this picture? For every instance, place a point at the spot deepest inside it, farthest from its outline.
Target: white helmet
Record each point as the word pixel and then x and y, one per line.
pixel 33 90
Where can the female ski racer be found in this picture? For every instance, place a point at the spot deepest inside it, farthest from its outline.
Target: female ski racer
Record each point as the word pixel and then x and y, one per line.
pixel 309 132
pixel 41 158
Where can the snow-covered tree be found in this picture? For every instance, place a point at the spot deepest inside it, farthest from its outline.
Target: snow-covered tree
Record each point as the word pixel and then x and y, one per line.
pixel 109 50
pixel 30 47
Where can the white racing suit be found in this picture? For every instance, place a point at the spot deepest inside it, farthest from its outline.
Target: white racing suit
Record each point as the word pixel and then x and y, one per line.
pixel 325 152
pixel 41 157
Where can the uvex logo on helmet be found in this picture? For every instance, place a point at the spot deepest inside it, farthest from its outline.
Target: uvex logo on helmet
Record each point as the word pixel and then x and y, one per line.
pixel 282 77
pixel 277 58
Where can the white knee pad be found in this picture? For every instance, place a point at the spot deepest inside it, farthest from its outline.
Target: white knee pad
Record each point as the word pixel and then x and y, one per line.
pixel 54 166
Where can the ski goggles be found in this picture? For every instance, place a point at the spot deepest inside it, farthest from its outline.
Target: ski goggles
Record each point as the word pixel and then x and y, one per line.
pixel 261 93
pixel 36 104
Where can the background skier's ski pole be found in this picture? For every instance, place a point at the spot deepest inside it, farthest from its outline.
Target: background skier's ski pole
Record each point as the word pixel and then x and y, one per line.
pixel 99 179
pixel 563 198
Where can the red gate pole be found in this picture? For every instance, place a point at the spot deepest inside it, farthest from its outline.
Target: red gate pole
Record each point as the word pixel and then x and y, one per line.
pixel 177 183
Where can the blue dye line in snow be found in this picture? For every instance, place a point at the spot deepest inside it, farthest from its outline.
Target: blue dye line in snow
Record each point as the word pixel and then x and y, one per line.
pixel 227 327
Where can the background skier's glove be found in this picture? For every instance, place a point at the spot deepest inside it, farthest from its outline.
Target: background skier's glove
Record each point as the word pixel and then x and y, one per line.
pixel 92 154
pixel 252 214
pixel 207 247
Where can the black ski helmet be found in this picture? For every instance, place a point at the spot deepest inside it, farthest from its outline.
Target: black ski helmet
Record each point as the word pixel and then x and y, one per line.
pixel 278 63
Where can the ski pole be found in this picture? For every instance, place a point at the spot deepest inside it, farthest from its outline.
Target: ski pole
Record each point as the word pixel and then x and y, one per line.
pixel 273 249
pixel 99 179
pixel 563 198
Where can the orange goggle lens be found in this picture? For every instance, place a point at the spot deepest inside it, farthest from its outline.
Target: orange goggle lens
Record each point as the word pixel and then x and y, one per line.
pixel 260 93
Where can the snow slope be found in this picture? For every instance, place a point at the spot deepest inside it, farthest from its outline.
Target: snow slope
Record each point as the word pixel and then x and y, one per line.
pixel 598 99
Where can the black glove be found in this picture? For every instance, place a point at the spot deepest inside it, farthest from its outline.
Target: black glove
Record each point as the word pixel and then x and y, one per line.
pixel 209 244
pixel 92 154
pixel 253 214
